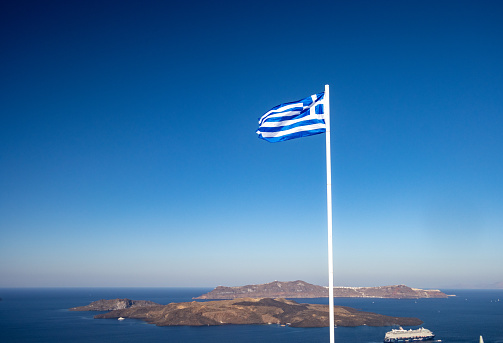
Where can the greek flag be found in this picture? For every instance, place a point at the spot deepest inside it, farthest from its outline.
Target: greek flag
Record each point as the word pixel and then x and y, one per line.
pixel 293 120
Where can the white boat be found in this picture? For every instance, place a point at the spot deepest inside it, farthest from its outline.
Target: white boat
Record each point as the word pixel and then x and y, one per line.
pixel 401 335
pixel 481 340
pixel 121 318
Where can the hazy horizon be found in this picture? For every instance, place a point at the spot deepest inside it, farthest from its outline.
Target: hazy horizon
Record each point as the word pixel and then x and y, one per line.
pixel 212 287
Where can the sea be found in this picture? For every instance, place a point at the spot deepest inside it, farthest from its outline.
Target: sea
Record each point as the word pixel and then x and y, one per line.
pixel 42 315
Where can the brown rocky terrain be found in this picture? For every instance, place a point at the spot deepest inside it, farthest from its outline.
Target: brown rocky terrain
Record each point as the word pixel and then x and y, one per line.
pixel 254 311
pixel 302 289
pixel 113 304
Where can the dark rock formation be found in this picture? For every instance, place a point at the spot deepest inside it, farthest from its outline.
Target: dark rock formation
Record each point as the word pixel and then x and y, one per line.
pixel 254 311
pixel 113 304
pixel 302 289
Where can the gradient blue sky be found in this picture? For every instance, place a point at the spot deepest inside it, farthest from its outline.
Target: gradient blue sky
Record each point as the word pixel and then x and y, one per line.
pixel 128 153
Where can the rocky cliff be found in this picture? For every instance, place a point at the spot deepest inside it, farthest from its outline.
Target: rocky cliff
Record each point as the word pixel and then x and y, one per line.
pixel 302 289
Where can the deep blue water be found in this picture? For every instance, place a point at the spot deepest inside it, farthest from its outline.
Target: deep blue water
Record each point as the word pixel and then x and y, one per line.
pixel 41 315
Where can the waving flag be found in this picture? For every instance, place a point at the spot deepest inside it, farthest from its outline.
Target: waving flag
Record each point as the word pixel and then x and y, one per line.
pixel 293 120
pixel 306 117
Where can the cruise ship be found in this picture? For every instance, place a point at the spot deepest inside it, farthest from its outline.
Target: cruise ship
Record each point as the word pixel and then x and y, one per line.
pixel 401 335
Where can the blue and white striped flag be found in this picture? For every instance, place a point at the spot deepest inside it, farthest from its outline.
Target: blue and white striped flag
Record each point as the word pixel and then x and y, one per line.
pixel 293 120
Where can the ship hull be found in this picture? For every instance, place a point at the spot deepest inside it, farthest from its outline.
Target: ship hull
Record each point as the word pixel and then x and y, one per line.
pixel 400 340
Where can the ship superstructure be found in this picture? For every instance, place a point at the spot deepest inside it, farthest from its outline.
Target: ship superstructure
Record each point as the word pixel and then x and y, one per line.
pixel 401 335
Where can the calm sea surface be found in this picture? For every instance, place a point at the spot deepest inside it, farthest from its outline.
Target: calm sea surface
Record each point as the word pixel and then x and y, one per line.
pixel 41 315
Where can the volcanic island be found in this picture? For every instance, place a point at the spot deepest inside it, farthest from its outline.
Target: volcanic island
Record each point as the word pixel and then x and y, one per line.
pixel 302 289
pixel 242 311
pixel 255 309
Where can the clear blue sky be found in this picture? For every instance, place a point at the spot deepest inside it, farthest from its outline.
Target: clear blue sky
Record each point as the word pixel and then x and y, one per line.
pixel 128 153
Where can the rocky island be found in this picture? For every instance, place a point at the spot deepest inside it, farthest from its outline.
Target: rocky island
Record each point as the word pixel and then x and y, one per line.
pixel 113 304
pixel 302 289
pixel 241 311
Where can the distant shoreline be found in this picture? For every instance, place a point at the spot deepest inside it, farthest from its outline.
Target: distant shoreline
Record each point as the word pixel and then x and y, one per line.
pixel 302 289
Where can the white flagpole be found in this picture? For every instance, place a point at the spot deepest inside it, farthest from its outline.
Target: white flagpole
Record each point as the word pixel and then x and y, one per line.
pixel 329 218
